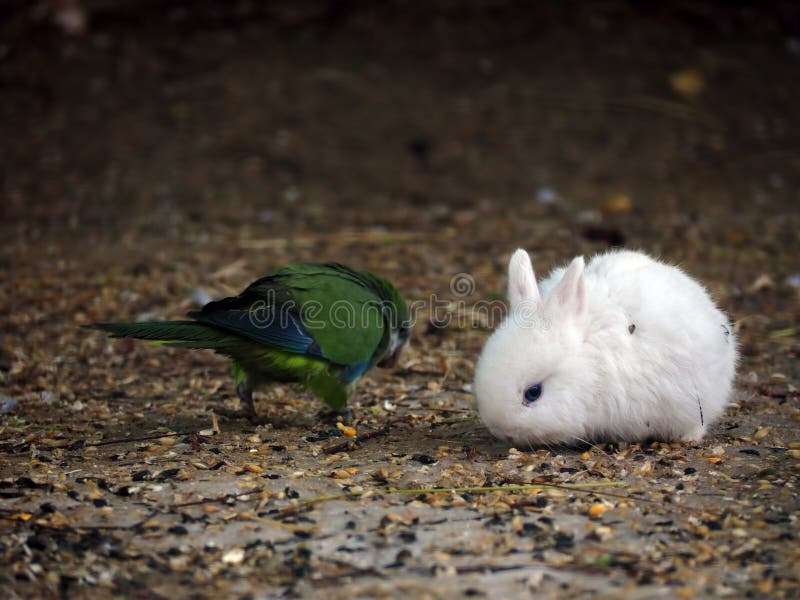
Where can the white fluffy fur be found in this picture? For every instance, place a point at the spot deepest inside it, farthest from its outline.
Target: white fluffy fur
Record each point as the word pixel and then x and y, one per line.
pixel 601 382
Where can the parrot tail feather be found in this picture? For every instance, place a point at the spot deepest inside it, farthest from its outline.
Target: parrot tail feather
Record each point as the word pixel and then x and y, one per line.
pixel 181 334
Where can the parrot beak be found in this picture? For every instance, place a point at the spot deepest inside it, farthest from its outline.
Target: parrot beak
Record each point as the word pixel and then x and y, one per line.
pixel 391 361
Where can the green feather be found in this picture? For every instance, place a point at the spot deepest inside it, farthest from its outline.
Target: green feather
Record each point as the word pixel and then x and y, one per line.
pixel 330 389
pixel 340 308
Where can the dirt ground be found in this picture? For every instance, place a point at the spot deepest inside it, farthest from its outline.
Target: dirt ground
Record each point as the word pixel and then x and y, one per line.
pixel 175 151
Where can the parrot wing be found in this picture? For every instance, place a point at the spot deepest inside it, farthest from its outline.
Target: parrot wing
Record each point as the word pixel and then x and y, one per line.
pixel 259 322
pixel 327 311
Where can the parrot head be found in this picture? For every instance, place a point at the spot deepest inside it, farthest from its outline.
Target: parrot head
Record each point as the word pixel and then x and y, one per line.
pixel 397 341
pixel 396 317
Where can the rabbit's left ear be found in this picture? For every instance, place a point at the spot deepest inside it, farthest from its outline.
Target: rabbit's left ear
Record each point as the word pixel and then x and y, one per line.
pixel 522 289
pixel 570 293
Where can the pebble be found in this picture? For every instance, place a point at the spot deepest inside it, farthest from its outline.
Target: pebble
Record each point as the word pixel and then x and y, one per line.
pixel 7 404
pixel 200 297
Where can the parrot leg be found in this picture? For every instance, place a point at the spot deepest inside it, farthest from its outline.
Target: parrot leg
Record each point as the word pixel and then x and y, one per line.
pixel 330 389
pixel 335 394
pixel 245 392
pixel 247 410
pixel 333 415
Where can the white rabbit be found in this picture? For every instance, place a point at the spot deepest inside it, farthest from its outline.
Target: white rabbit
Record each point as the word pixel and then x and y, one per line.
pixel 625 349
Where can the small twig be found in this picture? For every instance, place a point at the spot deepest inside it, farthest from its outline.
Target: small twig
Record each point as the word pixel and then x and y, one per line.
pixel 455 390
pixel 471 569
pixel 650 104
pixel 524 503
pixel 508 488
pixel 358 440
pixel 424 372
pixel 78 527
pixel 279 524
pixel 408 399
pixel 216 499
pixel 76 444
pixel 296 509
pixel 139 439
pixel 354 571
pixel 347 237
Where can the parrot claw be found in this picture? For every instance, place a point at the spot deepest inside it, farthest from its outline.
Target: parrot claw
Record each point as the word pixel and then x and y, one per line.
pixel 333 415
pixel 250 416
pixel 247 410
pixel 238 413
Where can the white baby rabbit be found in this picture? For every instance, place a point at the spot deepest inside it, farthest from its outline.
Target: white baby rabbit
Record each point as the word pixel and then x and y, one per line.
pixel 625 349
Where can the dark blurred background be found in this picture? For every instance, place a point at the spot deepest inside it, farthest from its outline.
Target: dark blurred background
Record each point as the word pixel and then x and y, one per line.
pixel 143 121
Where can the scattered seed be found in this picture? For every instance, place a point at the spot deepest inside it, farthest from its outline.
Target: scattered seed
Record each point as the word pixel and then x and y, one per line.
pixel 595 510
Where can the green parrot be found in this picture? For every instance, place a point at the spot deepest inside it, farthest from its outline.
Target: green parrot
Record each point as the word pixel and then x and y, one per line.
pixel 320 325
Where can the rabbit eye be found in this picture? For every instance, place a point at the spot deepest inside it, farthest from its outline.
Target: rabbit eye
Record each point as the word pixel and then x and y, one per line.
pixel 532 394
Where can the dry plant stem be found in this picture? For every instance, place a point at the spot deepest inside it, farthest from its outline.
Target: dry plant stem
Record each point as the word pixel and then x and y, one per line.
pixel 141 439
pixel 294 509
pixel 356 237
pixel 509 488
pixel 216 499
pixel 146 438
pixel 651 104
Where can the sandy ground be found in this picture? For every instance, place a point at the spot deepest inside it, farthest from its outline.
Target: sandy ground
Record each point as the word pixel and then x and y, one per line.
pixel 170 154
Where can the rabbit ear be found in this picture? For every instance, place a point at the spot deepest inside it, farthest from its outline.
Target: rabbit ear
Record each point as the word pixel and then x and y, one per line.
pixel 570 292
pixel 521 280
